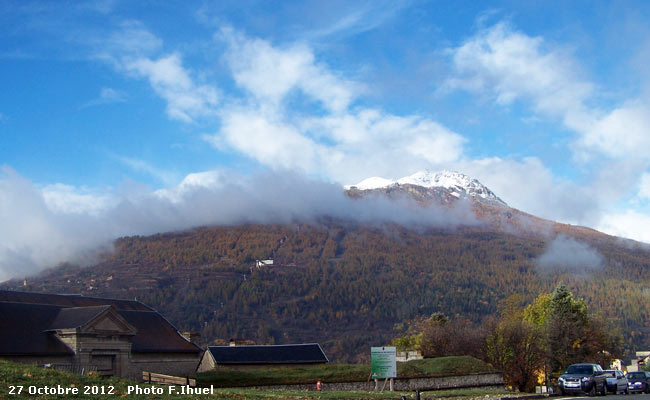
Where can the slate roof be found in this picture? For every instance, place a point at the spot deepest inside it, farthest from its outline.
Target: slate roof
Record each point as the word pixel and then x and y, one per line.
pixel 23 330
pixel 75 317
pixel 156 334
pixel 70 300
pixel 310 353
pixel 26 326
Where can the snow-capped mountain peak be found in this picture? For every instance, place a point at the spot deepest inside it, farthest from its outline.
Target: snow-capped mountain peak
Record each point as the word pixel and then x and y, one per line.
pixel 458 184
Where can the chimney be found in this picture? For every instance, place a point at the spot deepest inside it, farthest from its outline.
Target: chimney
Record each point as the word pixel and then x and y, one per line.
pixel 192 337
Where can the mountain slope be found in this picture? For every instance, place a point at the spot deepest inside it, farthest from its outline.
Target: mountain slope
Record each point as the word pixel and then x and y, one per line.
pixel 349 285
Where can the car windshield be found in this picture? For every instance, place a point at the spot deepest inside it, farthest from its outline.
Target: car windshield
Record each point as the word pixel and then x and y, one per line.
pixel 580 369
pixel 636 375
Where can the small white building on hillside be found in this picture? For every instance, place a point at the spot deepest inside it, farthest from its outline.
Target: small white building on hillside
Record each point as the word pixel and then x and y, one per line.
pixel 263 263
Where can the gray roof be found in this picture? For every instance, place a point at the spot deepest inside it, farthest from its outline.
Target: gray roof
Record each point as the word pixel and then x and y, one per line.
pixel 310 353
pixel 23 330
pixel 76 317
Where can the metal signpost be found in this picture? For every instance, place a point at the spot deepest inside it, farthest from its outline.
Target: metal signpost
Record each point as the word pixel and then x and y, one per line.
pixel 383 365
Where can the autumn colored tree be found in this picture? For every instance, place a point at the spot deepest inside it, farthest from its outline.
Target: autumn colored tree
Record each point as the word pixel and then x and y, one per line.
pixel 570 333
pixel 435 337
pixel 515 346
pixel 439 336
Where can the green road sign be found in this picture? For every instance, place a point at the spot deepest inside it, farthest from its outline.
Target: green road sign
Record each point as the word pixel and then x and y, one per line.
pixel 382 362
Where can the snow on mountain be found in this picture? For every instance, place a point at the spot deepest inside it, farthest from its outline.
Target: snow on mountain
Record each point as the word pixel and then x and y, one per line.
pixel 372 183
pixel 459 185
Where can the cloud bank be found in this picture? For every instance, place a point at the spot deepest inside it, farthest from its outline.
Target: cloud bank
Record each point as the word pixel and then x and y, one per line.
pixel 45 226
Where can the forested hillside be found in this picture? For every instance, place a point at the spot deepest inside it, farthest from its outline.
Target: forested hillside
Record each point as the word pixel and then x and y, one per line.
pixel 348 285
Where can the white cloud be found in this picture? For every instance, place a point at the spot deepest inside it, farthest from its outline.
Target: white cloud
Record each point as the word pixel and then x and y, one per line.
pixel 359 18
pixel 371 142
pixel 621 133
pixel 192 182
pixel 107 96
pixel 185 99
pixel 568 254
pixel 511 65
pixel 270 73
pixel 631 219
pixel 516 66
pixel 131 40
pixel 41 230
pixel 530 186
pixel 133 49
pixel 342 142
pixel 629 224
pixel 160 174
pixel 270 140
pixel 66 199
pixel 111 95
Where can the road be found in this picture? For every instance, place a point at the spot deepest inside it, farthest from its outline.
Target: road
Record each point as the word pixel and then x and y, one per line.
pixel 611 397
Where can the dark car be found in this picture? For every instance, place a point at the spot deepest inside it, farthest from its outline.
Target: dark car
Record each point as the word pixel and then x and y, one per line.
pixel 616 381
pixel 583 378
pixel 638 382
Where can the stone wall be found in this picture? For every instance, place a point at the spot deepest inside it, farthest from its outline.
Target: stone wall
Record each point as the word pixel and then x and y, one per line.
pixel 404 356
pixel 491 379
pixel 177 364
pixel 206 363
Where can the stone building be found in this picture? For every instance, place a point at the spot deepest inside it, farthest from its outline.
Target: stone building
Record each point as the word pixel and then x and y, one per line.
pixel 262 356
pixel 114 337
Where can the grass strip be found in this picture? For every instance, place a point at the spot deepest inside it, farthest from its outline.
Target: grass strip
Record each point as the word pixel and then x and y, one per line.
pixel 332 373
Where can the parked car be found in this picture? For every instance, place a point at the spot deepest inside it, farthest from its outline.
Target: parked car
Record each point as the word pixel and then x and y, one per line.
pixel 638 382
pixel 583 378
pixel 616 381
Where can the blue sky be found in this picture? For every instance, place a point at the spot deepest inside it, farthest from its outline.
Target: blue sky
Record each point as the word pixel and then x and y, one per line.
pixel 104 102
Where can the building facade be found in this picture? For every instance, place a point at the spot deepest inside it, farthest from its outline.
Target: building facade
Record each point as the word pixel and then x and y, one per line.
pixel 113 337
